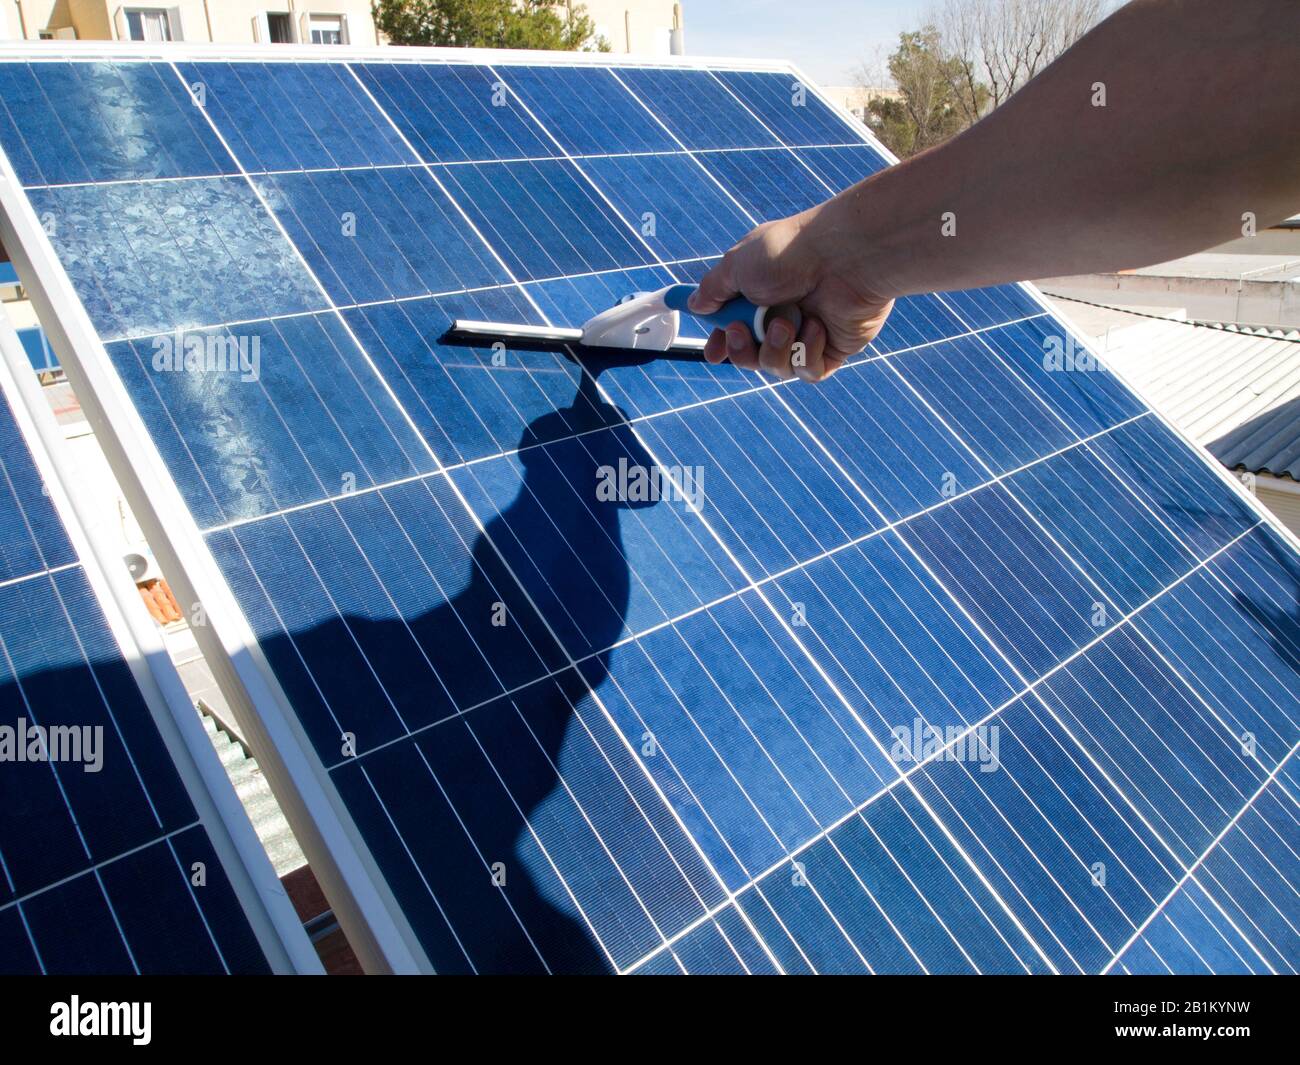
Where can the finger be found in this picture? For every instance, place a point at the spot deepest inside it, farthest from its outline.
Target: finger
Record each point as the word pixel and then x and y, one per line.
pixel 774 355
pixel 715 348
pixel 715 288
pixel 740 347
pixel 806 356
pixel 831 364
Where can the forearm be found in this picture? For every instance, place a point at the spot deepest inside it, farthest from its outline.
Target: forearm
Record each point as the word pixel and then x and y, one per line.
pixel 1198 128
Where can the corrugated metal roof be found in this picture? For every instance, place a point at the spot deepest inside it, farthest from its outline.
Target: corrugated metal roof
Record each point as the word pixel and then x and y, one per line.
pixel 1267 444
pixel 1236 392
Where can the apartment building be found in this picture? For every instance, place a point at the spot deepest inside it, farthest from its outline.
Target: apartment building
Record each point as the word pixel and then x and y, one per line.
pixel 232 21
pixel 644 27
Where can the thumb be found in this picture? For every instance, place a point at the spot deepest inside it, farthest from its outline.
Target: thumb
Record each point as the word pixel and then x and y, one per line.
pixel 716 288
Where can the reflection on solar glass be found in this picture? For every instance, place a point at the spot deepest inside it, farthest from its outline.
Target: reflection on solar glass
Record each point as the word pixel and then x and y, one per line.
pixel 921 679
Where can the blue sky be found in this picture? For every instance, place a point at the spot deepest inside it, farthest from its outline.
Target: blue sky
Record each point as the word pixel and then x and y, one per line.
pixel 828 39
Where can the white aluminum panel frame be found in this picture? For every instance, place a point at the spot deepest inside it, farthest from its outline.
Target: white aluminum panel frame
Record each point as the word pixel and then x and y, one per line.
pixel 270 912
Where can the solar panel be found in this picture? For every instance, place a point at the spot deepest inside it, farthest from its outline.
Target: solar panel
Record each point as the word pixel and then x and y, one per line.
pixel 112 860
pixel 954 663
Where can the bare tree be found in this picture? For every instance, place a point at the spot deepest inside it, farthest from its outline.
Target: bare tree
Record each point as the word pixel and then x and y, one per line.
pixel 1001 44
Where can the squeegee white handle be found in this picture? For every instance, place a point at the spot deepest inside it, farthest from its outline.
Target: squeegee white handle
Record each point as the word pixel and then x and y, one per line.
pixel 736 310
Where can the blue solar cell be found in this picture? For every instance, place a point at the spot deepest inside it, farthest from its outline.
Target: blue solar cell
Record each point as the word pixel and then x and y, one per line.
pixel 840 168
pixel 696 108
pixel 1118 542
pixel 983 403
pixel 294 116
pixel 595 576
pixel 894 646
pixel 392 619
pixel 836 898
pixel 379 234
pixel 1251 874
pixel 31 535
pixel 902 901
pixel 17 953
pixel 919 914
pixel 290 411
pixel 1233 632
pixel 1179 768
pixel 662 964
pixel 1089 406
pixel 1200 510
pixel 93 799
pixel 884 438
pixel 459 794
pixel 763 485
pixel 914 321
pixel 51 144
pixel 1043 830
pixel 981 307
pixel 1190 934
pixel 587 110
pixel 543 218
pixel 471 402
pixel 706 952
pixel 789 108
pixel 723 819
pixel 51 680
pixel 153 257
pixel 814 940
pixel 169 922
pixel 97 946
pixel 671 203
pixel 1018 585
pixel 768 183
pixel 450 112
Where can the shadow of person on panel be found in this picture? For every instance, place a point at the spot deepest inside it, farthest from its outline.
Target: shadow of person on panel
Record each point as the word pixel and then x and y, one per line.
pixel 583 548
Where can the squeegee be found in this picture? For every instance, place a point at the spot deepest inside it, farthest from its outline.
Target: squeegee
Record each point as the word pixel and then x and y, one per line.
pixel 646 321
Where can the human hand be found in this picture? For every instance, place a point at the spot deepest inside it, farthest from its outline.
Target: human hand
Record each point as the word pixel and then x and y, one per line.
pixel 790 262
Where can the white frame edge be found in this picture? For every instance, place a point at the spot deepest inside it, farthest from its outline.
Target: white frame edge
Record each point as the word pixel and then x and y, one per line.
pixel 376 929
pixel 271 914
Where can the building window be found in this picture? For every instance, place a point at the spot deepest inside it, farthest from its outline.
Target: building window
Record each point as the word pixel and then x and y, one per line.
pixel 279 27
pixel 327 29
pixel 145 24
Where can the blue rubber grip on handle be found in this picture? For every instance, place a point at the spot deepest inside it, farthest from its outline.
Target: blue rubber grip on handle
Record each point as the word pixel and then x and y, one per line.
pixel 737 310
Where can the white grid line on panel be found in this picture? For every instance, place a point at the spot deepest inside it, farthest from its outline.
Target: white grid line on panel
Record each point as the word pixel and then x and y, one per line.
pixel 438 164
pixel 1190 873
pixel 710 530
pixel 938 755
pixel 524 591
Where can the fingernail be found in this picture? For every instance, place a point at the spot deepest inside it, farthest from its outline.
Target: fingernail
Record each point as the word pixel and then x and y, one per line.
pixel 780 333
pixel 805 373
pixel 735 340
